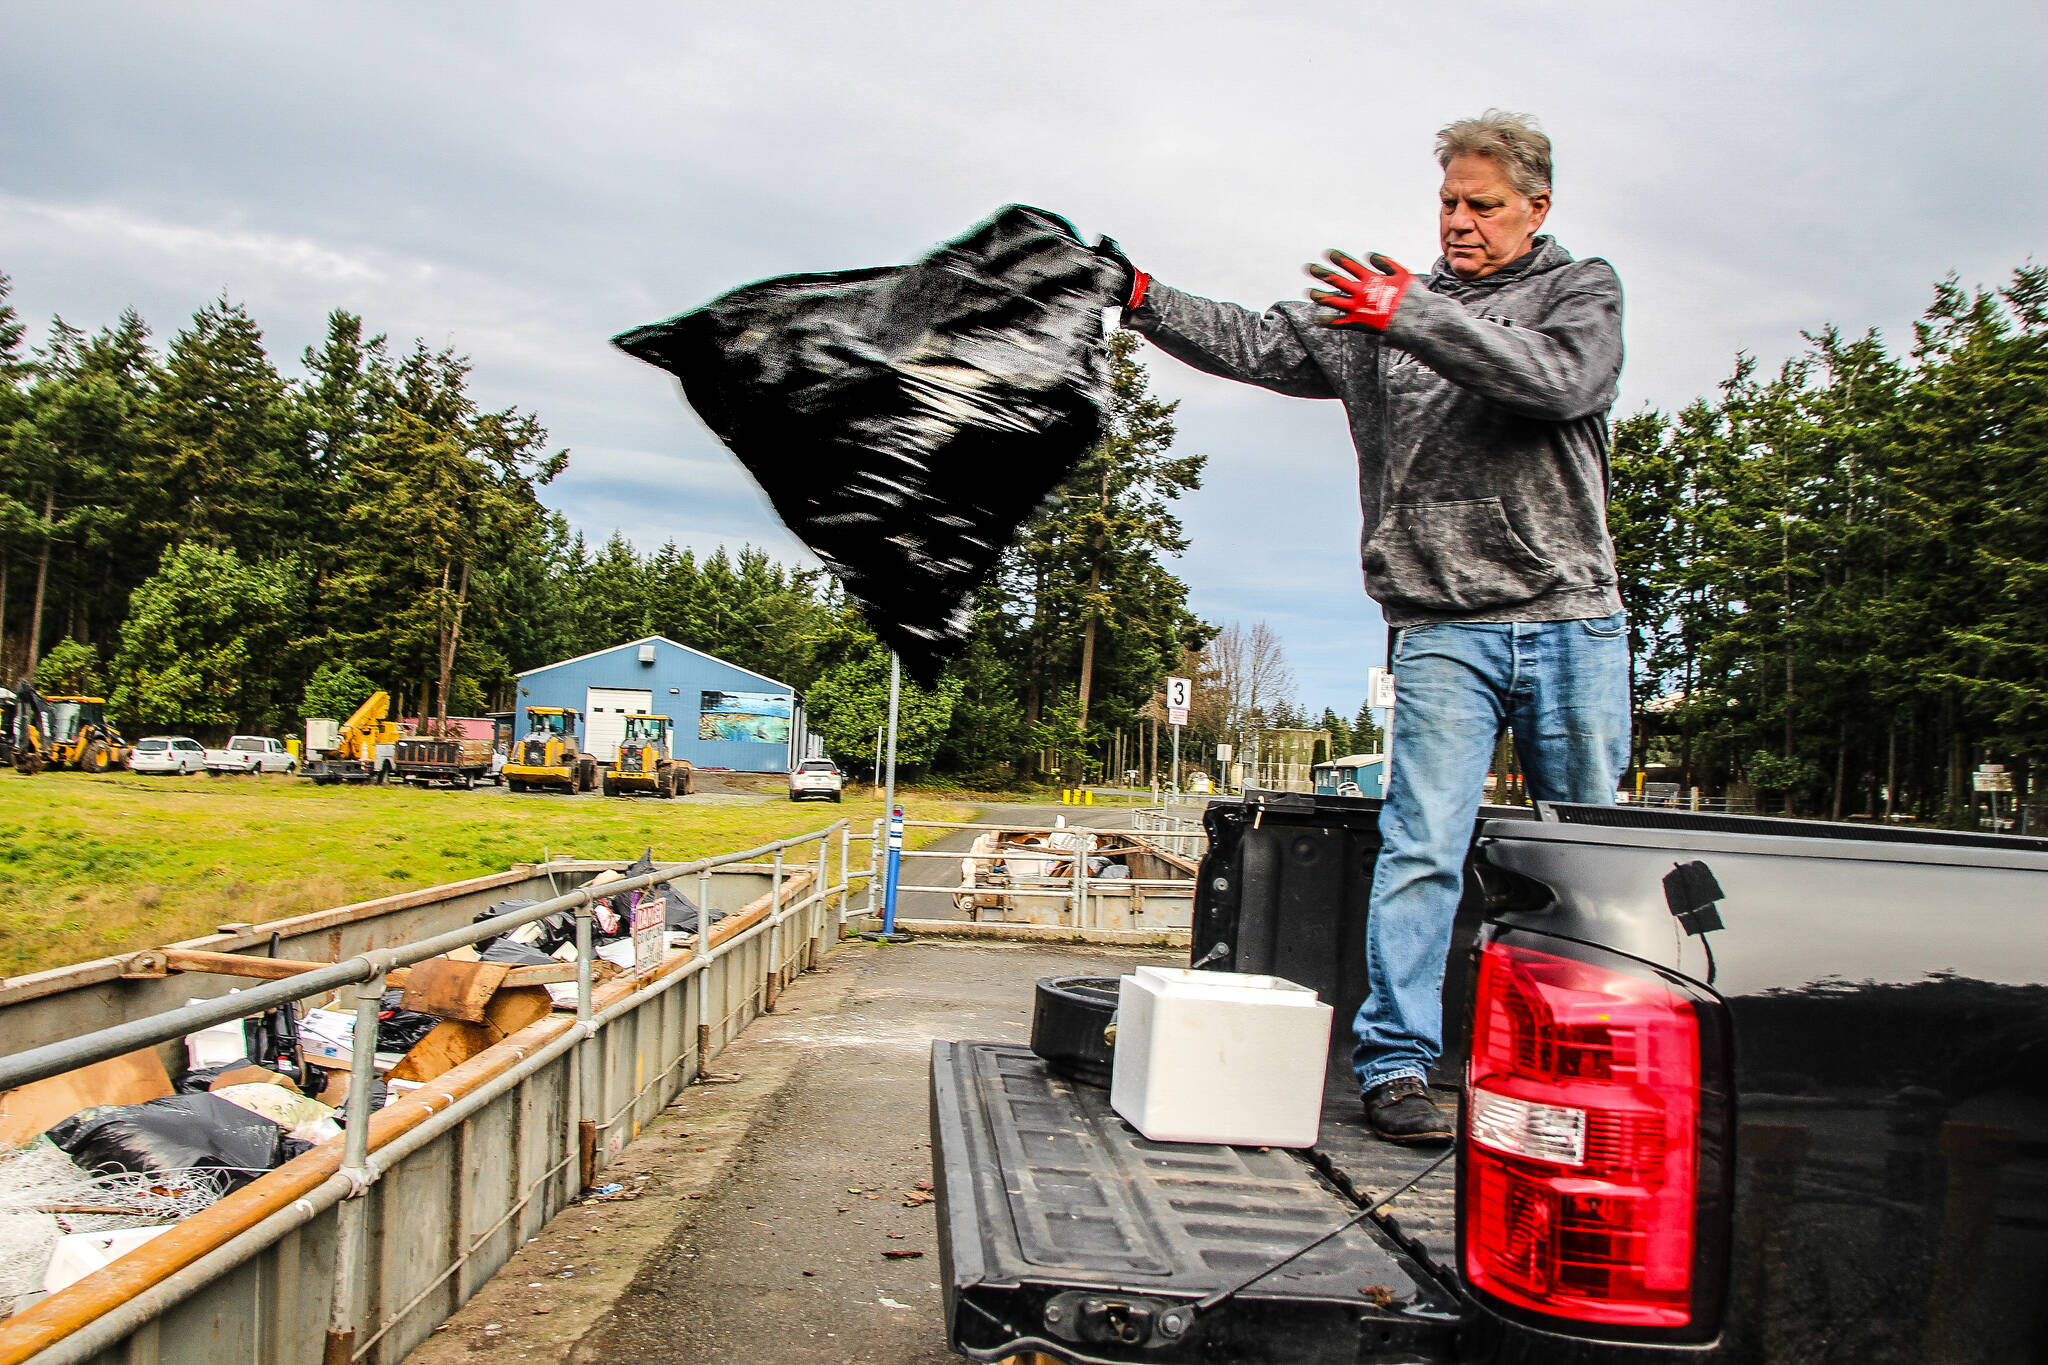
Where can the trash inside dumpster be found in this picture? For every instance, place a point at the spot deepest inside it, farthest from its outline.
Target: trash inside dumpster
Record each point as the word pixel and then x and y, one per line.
pixel 529 1077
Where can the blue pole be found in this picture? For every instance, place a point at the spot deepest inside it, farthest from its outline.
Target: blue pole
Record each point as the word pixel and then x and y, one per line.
pixel 891 874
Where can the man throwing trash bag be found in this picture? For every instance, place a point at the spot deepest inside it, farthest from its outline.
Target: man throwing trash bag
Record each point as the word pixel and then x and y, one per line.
pixel 1478 399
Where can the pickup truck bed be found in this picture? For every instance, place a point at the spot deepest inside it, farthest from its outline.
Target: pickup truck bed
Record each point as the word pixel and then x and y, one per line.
pixel 1066 1232
pixel 1802 1070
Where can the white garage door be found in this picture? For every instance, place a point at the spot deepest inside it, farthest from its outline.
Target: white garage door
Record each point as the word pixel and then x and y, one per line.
pixel 604 717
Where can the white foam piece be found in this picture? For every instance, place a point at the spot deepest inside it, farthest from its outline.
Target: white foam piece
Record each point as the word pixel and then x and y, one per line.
pixel 1225 1057
pixel 81 1253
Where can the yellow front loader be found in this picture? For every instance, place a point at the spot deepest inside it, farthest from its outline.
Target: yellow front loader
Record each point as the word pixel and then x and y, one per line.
pixel 644 765
pixel 549 756
pixel 65 732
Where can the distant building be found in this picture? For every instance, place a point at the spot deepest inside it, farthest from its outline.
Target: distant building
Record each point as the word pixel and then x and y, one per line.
pixel 724 716
pixel 1365 774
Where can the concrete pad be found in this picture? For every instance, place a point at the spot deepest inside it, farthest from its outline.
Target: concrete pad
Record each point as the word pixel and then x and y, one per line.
pixel 761 1211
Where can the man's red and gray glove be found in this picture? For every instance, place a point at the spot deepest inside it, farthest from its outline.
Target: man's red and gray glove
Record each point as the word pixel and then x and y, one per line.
pixel 1127 283
pixel 1360 296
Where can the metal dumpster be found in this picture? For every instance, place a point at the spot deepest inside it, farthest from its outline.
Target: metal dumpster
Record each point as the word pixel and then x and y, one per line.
pixel 356 1250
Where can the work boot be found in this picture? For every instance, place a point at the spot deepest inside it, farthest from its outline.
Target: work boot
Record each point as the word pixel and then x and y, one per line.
pixel 1400 1110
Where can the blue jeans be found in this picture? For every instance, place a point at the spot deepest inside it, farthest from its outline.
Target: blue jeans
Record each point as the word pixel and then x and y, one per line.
pixel 1562 686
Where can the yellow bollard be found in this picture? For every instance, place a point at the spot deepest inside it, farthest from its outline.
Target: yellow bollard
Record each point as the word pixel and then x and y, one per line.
pixel 1064 797
pixel 1087 798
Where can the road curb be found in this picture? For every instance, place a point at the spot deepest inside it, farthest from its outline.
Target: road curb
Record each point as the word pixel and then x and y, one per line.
pixel 1031 933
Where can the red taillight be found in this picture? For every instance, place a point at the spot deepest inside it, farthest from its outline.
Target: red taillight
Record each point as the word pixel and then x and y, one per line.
pixel 1581 1153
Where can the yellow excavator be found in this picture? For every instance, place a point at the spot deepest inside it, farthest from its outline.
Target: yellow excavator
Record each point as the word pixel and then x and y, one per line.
pixel 549 755
pixel 644 765
pixel 360 749
pixel 63 732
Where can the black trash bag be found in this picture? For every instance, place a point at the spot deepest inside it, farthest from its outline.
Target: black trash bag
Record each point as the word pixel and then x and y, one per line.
pixel 173 1136
pixel 682 914
pixel 679 912
pixel 380 1095
pixel 518 954
pixel 555 929
pixel 905 421
pixel 199 1080
pixel 399 1028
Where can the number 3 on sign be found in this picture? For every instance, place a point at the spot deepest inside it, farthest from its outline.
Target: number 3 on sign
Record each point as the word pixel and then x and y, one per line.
pixel 1178 692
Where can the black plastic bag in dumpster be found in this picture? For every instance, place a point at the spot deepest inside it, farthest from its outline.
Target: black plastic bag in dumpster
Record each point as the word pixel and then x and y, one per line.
pixel 398 1028
pixel 680 913
pixel 183 1133
pixel 905 421
pixel 199 1080
pixel 380 1094
pixel 518 954
pixel 553 931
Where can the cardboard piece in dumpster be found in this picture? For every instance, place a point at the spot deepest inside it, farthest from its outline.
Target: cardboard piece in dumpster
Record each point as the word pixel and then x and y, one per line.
pixel 454 1042
pixel 453 990
pixel 252 1075
pixel 28 1111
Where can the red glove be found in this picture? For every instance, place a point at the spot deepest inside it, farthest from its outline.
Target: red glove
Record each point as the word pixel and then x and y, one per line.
pixel 1127 283
pixel 1361 296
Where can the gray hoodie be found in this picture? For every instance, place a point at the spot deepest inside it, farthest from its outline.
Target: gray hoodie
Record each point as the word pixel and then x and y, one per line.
pixel 1480 419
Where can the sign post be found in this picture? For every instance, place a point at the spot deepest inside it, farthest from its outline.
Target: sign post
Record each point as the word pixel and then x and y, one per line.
pixel 1379 695
pixel 1179 692
pixel 1991 779
pixel 892 865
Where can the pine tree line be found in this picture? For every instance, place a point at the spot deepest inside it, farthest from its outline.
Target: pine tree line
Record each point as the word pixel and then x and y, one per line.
pixel 216 546
pixel 1837 574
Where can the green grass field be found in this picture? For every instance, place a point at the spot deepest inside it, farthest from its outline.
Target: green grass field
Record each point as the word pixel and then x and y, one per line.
pixel 98 865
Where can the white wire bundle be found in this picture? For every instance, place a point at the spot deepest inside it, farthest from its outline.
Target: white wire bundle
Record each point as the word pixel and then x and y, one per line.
pixel 44 1194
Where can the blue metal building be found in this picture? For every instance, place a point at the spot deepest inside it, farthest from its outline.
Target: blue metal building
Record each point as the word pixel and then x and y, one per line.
pixel 725 716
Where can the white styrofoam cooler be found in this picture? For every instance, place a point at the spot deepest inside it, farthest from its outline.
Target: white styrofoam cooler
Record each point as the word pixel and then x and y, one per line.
pixel 1219 1057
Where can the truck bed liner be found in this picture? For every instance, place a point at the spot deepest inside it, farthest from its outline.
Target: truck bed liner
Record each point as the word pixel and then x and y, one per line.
pixel 1064 1231
pixel 1423 1221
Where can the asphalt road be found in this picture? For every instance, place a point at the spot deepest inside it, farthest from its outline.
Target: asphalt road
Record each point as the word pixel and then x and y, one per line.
pixel 765 1212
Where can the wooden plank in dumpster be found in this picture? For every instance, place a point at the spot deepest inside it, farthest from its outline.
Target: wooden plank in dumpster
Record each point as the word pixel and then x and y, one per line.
pixel 453 990
pixel 453 1042
pixel 650 929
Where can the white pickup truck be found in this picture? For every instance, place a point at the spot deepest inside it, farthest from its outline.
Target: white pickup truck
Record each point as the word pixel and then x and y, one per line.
pixel 251 754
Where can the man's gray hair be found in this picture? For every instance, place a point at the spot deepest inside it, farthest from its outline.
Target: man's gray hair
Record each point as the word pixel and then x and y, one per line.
pixel 1513 140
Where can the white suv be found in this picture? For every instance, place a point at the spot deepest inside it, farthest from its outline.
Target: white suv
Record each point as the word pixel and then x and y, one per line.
pixel 815 777
pixel 167 754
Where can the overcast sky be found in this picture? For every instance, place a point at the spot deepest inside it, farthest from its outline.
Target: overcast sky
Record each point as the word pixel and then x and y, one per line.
pixel 521 182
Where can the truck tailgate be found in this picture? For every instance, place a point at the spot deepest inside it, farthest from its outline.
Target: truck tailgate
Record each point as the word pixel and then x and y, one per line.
pixel 1063 1231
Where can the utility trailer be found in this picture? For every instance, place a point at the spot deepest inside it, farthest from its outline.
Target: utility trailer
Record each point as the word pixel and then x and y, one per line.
pixel 451 760
pixel 1727 1090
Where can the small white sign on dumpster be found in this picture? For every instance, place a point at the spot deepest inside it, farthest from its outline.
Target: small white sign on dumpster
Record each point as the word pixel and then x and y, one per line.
pixel 650 922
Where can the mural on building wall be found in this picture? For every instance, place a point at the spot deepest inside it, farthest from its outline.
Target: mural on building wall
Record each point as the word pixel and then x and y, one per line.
pixel 759 717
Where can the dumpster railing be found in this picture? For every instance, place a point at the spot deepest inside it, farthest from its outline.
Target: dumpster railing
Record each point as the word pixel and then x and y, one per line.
pixel 453 1176
pixel 1176 825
